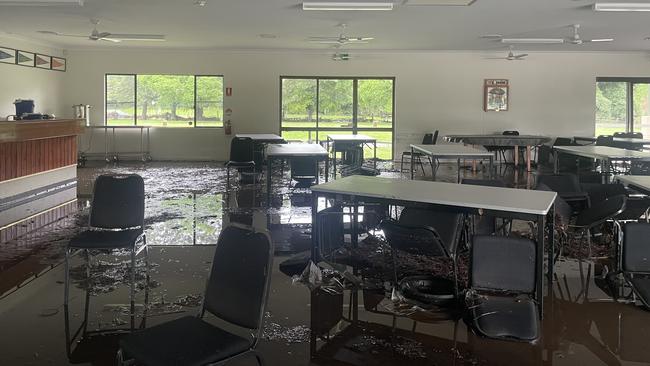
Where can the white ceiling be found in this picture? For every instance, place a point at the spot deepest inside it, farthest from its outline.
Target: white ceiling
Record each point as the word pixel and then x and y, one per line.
pixel 237 24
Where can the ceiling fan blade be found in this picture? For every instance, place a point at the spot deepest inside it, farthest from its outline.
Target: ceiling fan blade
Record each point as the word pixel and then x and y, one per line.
pixel 109 40
pixel 599 40
pixel 60 34
pixel 326 42
pixel 323 38
pixel 521 56
pixel 134 37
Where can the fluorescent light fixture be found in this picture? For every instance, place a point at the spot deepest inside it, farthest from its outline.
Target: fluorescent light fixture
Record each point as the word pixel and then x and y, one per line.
pixel 602 40
pixel 532 40
pixel 622 7
pixel 345 6
pixel 440 2
pixel 41 2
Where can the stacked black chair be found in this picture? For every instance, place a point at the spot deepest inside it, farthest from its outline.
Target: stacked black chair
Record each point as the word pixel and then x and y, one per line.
pixel 596 215
pixel 636 260
pixel 304 170
pixel 242 157
pixel 502 279
pixel 448 224
pixel 236 293
pixel 568 187
pixel 428 139
pixel 116 223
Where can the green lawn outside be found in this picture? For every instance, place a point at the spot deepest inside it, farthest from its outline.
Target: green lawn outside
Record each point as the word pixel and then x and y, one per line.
pixel 161 123
pixel 384 140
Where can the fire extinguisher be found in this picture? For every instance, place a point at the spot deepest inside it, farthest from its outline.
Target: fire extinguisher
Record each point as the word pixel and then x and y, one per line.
pixel 227 127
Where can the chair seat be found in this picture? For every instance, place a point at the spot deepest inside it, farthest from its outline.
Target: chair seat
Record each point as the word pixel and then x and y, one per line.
pixel 574 196
pixel 641 287
pixel 187 341
pixel 509 318
pixel 105 239
pixel 407 153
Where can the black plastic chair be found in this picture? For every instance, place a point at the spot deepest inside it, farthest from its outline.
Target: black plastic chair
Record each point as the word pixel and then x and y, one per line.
pixel 500 301
pixel 116 222
pixel 568 187
pixel 598 214
pixel 428 139
pixel 486 225
pixel 242 157
pixel 449 225
pixel 636 260
pixel 304 170
pixel 237 291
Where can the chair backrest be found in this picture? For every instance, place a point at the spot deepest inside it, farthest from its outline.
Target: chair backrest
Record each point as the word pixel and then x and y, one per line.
pixel 118 202
pixel 511 133
pixel 632 135
pixel 636 247
pixel 435 138
pixel 427 139
pixel 331 235
pixel 413 239
pixel 303 168
pixel 605 140
pixel 447 224
pixel 242 149
pixel 560 182
pixel 238 283
pixel 484 182
pixel 563 210
pixel 563 141
pixel 601 211
pixel 503 263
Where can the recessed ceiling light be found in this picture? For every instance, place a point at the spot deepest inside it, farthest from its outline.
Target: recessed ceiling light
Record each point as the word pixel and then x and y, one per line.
pixel 440 2
pixel 201 2
pixel 345 6
pixel 41 2
pixel 622 7
pixel 268 36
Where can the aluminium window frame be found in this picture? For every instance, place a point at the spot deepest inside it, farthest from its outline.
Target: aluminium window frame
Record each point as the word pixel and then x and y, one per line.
pixel 135 96
pixel 629 95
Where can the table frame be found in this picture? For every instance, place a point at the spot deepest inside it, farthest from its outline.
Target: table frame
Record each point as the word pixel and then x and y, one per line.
pixel 356 198
pixel 478 155
pixel 112 154
pixel 603 158
pixel 360 141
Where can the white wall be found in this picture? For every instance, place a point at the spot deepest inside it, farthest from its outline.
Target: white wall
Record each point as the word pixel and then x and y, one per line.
pixel 551 93
pixel 45 87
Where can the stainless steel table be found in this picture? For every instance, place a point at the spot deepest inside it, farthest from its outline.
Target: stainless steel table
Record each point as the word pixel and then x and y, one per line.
pixel 511 203
pixel 358 139
pixel 287 151
pixel 111 154
pixel 456 151
pixel 503 140
pixel 604 154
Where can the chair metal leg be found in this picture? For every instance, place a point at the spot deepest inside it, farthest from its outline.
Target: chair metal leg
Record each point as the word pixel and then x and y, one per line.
pixel 66 281
pixel 228 179
pixel 401 167
pixel 260 360
pixel 132 297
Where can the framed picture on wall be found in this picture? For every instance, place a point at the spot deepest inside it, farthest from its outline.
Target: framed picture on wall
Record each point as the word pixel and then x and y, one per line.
pixel 7 55
pixel 25 58
pixel 496 93
pixel 58 64
pixel 43 61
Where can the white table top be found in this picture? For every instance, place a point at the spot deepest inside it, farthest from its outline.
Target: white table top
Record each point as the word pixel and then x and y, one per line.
pixel 289 150
pixel 354 138
pixel 641 181
pixel 260 136
pixel 631 140
pixel 440 193
pixel 451 150
pixel 603 152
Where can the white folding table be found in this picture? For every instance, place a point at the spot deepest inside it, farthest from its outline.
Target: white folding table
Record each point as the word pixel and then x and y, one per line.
pixel 511 203
pixel 264 138
pixel 604 154
pixel 456 151
pixel 287 151
pixel 353 139
pixel 640 183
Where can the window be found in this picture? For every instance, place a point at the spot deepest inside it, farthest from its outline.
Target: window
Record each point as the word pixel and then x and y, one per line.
pixel 164 100
pixel 622 105
pixel 313 107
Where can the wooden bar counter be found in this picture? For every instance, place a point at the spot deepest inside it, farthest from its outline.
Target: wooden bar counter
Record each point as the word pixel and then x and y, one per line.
pixel 38 166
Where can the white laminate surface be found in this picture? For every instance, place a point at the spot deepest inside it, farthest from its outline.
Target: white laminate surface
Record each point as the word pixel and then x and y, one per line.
pixel 603 152
pixel 631 140
pixel 354 138
pixel 451 150
pixel 440 193
pixel 641 181
pixel 260 136
pixel 289 150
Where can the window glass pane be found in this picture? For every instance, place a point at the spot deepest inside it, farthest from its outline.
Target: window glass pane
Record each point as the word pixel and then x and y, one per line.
pixel 641 97
pixel 302 135
pixel 375 104
pixel 611 107
pixel 120 100
pixel 335 103
pixel 384 144
pixel 166 100
pixel 298 103
pixel 209 101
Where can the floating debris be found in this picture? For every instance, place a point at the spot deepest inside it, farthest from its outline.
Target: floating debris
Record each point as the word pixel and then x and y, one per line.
pixel 405 347
pixel 276 332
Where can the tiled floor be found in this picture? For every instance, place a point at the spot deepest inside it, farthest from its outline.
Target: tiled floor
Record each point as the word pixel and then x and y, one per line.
pixel 186 205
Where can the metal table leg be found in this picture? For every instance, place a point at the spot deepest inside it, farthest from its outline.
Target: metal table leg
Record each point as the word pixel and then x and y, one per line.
pixel 458 170
pixel 556 167
pixel 334 159
pixel 550 224
pixel 327 168
pixel 491 167
pixel 539 265
pixel 375 165
pixel 269 163
pixel 412 154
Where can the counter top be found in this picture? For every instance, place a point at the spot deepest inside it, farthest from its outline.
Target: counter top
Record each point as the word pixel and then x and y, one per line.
pixel 15 131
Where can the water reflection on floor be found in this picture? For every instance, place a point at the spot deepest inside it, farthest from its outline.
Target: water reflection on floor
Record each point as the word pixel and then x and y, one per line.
pixel 186 207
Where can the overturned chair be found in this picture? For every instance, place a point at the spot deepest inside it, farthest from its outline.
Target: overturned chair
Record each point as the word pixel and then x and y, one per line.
pixel 500 301
pixel 236 293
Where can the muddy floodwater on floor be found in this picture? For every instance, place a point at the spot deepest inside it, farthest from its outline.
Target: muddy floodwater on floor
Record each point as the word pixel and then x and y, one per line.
pixel 344 312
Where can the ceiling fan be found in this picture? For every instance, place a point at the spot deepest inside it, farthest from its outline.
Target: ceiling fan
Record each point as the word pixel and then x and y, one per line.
pixel 340 56
pixel 511 56
pixel 575 39
pixel 95 35
pixel 342 39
